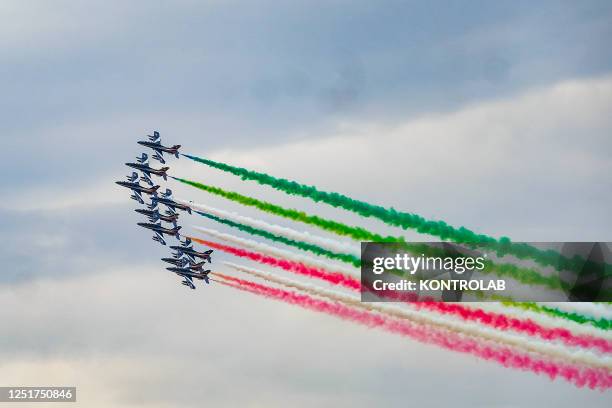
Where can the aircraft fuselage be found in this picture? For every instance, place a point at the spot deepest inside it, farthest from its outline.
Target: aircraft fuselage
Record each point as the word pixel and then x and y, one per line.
pixel 158 228
pixel 137 187
pixel 145 168
pixel 160 147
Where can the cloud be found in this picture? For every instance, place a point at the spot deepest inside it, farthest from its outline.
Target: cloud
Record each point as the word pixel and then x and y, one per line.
pixel 101 194
pixel 539 158
pixel 128 336
pixel 457 112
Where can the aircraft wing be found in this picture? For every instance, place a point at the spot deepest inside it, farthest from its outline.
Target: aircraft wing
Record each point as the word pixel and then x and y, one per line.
pixel 136 196
pixel 190 256
pixel 147 179
pixel 188 283
pixel 159 238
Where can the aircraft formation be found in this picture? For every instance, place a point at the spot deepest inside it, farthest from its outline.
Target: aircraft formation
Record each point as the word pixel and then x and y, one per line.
pixel 186 261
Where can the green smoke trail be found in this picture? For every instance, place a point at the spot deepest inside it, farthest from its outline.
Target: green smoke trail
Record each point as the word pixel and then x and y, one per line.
pixel 357 233
pixel 304 246
pixel 503 270
pixel 406 220
pixel 523 275
pixel 601 323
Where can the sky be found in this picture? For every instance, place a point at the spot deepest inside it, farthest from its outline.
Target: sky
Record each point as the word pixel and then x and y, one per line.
pixel 492 115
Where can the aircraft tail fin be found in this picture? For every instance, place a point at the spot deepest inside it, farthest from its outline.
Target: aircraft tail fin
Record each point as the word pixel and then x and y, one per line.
pixel 176 147
pixel 155 136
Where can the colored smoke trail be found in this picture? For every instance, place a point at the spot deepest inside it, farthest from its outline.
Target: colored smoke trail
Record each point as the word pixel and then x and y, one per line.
pixel 278 252
pixel 523 275
pixel 544 319
pixel 273 256
pixel 296 267
pixel 574 317
pixel 423 317
pixel 356 233
pixel 601 323
pixel 401 219
pixel 498 321
pixel 327 243
pixel 580 376
pixel 304 246
pixel 596 310
pixel 495 320
pixel 303 240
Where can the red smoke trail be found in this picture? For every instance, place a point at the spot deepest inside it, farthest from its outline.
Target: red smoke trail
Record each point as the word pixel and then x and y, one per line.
pixel 333 277
pixel 580 376
pixel 503 322
pixel 495 320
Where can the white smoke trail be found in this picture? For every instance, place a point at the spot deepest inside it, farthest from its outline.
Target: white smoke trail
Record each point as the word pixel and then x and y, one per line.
pixel 280 253
pixel 327 243
pixel 423 317
pixel 542 319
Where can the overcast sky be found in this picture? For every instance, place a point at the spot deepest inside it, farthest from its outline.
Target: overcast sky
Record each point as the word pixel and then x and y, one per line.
pixel 492 115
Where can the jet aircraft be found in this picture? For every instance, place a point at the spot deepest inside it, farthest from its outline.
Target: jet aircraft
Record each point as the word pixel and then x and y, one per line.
pixel 168 202
pixel 189 283
pixel 178 262
pixel 160 231
pixel 147 170
pixel 155 215
pixel 154 143
pixel 191 253
pixel 188 273
pixel 137 189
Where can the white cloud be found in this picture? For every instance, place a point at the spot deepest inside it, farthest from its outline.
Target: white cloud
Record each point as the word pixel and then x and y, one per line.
pixel 50 198
pixel 537 158
pixel 132 336
pixel 525 163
